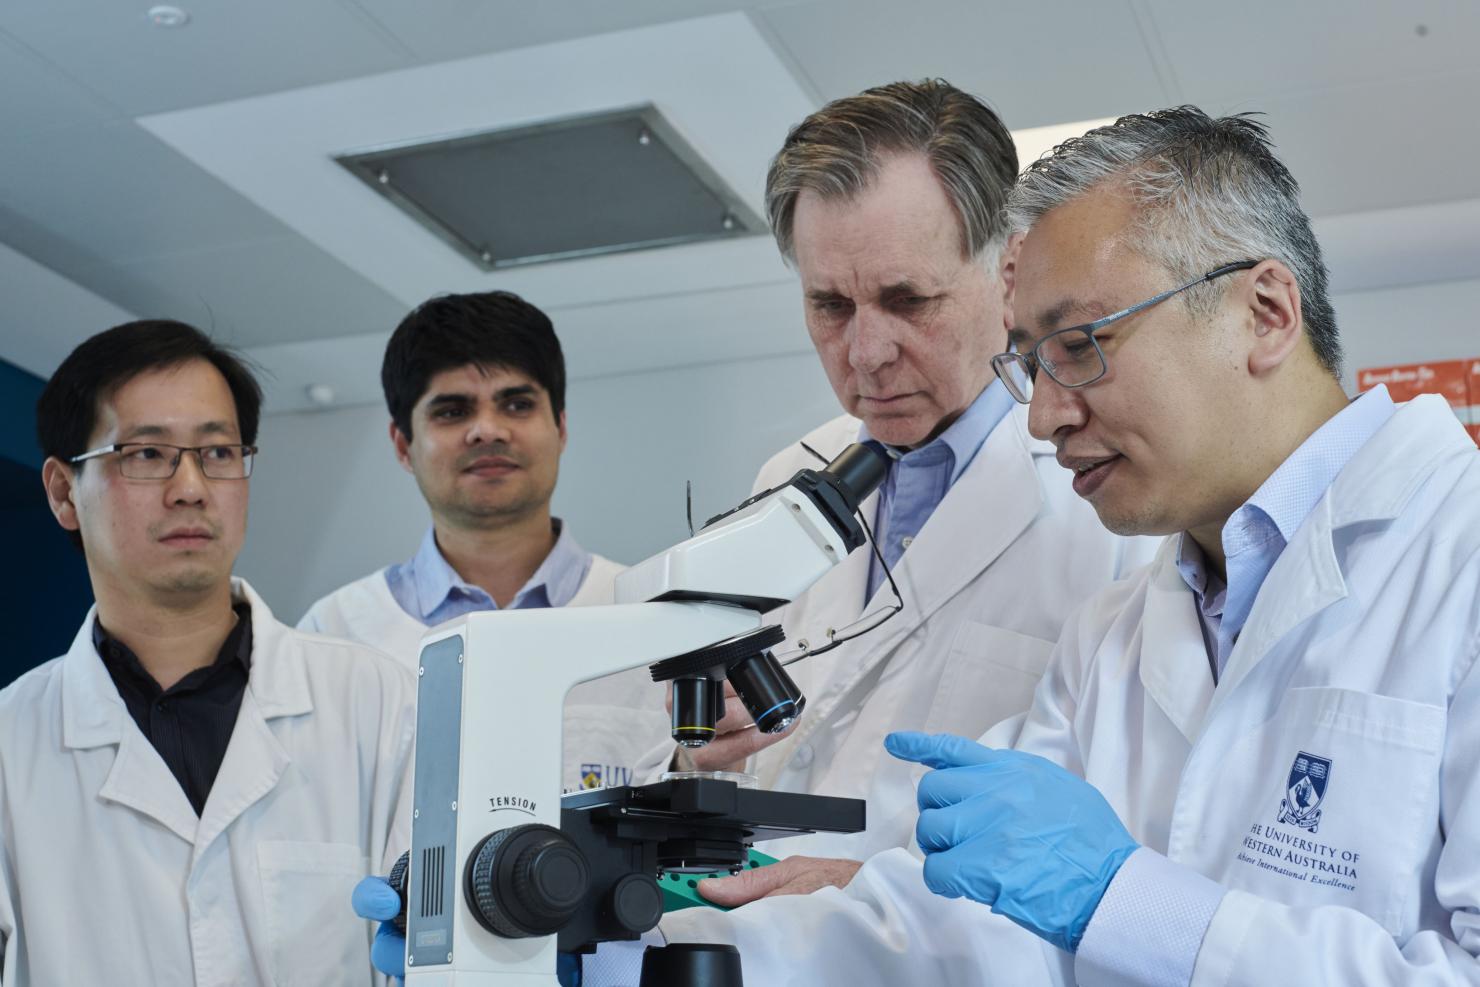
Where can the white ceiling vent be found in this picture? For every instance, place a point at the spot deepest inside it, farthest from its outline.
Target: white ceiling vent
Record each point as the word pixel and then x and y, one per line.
pixel 574 187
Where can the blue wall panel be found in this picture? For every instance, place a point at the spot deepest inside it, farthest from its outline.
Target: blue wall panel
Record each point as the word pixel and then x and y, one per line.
pixel 44 591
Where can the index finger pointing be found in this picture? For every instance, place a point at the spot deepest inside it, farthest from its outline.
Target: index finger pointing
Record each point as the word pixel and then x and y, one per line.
pixel 938 750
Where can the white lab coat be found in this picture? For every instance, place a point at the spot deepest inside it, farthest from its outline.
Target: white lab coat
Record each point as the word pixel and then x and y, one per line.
pixel 109 877
pixel 1360 649
pixel 610 722
pixel 988 582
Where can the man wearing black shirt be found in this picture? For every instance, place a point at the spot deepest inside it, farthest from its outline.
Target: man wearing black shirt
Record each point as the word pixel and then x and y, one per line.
pixel 191 792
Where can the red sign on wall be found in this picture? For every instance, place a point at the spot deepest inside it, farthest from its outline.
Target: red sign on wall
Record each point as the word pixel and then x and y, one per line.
pixel 1450 378
pixel 1457 380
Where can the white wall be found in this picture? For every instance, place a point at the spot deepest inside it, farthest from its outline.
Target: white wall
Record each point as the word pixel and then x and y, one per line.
pixel 1439 321
pixel 330 503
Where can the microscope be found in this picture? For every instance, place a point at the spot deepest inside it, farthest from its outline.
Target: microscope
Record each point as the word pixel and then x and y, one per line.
pixel 503 874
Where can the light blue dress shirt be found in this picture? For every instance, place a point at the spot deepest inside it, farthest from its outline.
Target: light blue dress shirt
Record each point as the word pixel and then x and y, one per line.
pixel 1150 888
pixel 919 479
pixel 429 589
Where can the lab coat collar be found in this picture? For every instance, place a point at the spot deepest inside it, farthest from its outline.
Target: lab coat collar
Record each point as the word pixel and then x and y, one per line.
pixel 93 715
pixel 255 759
pixel 983 513
pixel 1374 487
pixel 279 679
pixel 1390 468
pixel 1174 659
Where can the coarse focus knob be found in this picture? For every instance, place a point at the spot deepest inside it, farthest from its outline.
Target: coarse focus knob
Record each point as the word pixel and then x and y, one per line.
pixel 398 880
pixel 526 881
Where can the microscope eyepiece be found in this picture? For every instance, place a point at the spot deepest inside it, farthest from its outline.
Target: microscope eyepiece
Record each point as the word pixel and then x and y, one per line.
pixel 858 470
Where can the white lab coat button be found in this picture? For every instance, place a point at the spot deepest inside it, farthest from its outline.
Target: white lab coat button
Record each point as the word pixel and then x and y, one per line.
pixel 803 757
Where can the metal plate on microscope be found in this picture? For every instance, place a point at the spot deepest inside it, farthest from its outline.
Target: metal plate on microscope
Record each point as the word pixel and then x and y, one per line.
pixel 431 899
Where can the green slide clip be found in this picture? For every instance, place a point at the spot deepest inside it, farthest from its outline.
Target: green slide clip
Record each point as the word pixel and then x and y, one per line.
pixel 681 891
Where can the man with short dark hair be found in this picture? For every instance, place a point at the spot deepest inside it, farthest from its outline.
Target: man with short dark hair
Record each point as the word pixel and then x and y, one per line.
pixel 191 792
pixel 475 386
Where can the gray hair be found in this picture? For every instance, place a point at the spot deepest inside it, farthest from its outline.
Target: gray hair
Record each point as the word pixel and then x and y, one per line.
pixel 1210 192
pixel 837 151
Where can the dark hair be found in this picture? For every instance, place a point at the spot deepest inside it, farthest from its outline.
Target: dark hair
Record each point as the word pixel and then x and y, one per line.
pixel 488 329
pixel 67 411
pixel 1210 191
pixel 837 151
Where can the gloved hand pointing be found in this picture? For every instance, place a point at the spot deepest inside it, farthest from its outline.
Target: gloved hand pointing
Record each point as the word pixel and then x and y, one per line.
pixel 1015 832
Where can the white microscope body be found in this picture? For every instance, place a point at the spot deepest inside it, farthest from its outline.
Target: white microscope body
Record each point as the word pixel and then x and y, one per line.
pixel 492 689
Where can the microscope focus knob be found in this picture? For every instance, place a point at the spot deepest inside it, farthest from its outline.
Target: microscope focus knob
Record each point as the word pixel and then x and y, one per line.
pixel 526 881
pixel 399 878
pixel 636 902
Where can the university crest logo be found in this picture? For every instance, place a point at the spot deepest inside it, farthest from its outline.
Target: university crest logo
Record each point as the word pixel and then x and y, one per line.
pixel 591 776
pixel 1304 790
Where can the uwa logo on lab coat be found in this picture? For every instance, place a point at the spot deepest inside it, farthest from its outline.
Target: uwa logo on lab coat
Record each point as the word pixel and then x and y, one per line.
pixel 1304 790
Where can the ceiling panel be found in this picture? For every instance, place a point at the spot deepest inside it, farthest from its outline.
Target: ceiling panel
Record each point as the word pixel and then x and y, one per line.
pixel 253 294
pixel 437 30
pixel 45 316
pixel 1399 143
pixel 715 79
pixel 228 50
pixel 35 97
pixel 1258 48
pixel 121 194
pixel 1036 63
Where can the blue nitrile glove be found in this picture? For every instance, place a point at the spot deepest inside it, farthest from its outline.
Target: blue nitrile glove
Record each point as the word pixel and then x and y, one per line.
pixel 1014 831
pixel 375 899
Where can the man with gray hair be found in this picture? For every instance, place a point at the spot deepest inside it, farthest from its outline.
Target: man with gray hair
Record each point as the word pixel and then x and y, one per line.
pixel 890 205
pixel 1254 761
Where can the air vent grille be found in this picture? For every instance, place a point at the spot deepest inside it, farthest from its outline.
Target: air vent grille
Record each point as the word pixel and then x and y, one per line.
pixel 432 859
pixel 623 180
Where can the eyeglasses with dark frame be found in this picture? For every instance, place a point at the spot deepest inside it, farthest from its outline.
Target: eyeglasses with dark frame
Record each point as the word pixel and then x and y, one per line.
pixel 154 460
pixel 1072 356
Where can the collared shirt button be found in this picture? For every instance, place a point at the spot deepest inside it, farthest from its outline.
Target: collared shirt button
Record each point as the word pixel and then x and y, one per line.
pixel 907 541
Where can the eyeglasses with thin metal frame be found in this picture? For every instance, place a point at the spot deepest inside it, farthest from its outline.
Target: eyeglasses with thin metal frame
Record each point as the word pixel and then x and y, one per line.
pixel 1072 356
pixel 160 460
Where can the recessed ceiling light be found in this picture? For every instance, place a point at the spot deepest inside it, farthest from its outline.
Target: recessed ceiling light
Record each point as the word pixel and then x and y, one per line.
pixel 320 395
pixel 164 15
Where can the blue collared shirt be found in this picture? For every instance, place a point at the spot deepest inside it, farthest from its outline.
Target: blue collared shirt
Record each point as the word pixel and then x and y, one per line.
pixel 428 588
pixel 919 479
pixel 1258 531
pixel 1149 887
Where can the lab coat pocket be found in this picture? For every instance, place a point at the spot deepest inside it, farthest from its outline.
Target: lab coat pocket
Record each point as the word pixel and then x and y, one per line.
pixel 1345 802
pixel 990 674
pixel 314 937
